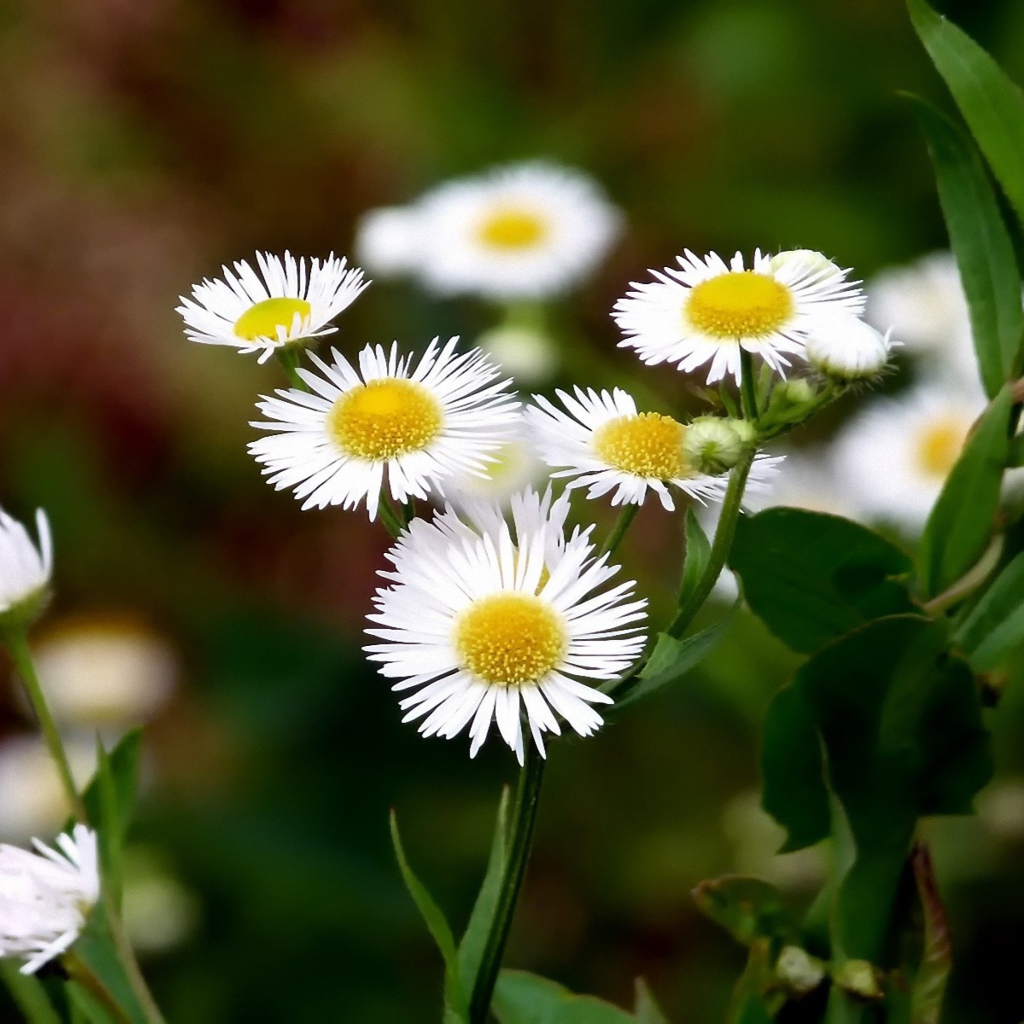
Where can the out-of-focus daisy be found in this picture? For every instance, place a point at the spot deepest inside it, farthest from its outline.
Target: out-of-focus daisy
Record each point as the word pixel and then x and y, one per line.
pixel 847 348
pixel 527 230
pixel 705 311
pixel 488 622
pixel 515 467
pixel 605 444
pixel 384 424
pixel 25 569
pixel 529 355
pixel 104 672
pixel 287 302
pixel 160 911
pixel 46 896
pixel 389 240
pixel 806 479
pixel 893 458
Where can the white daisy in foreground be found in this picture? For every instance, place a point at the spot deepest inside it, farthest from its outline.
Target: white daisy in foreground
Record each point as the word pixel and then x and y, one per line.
pixel 287 302
pixel 607 445
pixel 893 458
pixel 25 569
pixel 488 622
pixel 46 896
pixel 704 312
pixel 523 231
pixel 385 424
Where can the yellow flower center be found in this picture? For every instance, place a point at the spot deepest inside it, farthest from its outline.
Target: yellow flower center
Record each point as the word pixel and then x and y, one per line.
pixel 511 229
pixel 648 445
pixel 939 445
pixel 385 418
pixel 263 319
pixel 511 638
pixel 739 304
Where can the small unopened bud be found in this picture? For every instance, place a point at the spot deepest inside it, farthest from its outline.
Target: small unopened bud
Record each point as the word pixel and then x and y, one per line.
pixel 810 259
pixel 799 971
pixel 712 444
pixel 798 391
pixel 859 978
pixel 529 355
pixel 847 348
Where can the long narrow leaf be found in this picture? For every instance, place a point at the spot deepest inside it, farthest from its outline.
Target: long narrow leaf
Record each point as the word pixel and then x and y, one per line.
pixel 991 103
pixel 982 246
pixel 932 976
pixel 698 550
pixel 995 626
pixel 28 992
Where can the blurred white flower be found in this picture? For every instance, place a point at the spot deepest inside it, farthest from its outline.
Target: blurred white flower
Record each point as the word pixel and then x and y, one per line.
pixel 389 240
pixel 847 348
pixel 160 911
pixel 529 355
pixel 46 896
pixel 707 310
pixel 104 672
pixel 485 622
pixel 515 467
pixel 338 443
pixel 24 568
pixel 806 480
pixel 286 303
pixel 524 231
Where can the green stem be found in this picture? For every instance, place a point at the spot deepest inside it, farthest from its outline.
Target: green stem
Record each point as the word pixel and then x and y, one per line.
pixel 288 357
pixel 393 520
pixel 524 815
pixel 126 955
pixel 612 541
pixel 748 391
pixel 731 507
pixel 78 970
pixel 17 643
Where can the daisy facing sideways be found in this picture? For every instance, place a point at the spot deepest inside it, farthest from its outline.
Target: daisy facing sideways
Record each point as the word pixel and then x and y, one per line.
pixel 703 312
pixel 485 622
pixel 385 424
pixel 25 568
pixel 286 303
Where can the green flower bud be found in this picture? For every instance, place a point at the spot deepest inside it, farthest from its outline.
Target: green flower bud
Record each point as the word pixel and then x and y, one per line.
pixel 859 978
pixel 798 971
pixel 712 444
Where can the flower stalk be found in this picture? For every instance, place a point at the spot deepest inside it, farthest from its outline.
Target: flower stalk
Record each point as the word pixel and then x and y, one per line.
pixel 622 524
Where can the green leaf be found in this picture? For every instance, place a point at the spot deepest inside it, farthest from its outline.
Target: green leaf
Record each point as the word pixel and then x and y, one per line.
pixel 28 993
pixel 984 252
pixel 671 659
pixel 812 577
pixel 995 626
pixel 698 551
pixel 471 948
pixel 522 998
pixel 647 1009
pixel 748 908
pixel 960 524
pixel 753 1011
pixel 95 947
pixel 991 103
pixel 436 924
pixel 110 796
pixel 86 1007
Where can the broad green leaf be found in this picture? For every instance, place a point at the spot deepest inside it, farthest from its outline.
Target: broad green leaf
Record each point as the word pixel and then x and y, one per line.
pixel 522 998
pixel 991 103
pixel 647 1009
pixel 960 524
pixel 982 246
pixel 748 908
pixel 932 975
pixel 27 991
pixel 437 925
pixel 110 796
pixel 698 550
pixel 471 948
pixel 995 626
pixel 812 577
pixel 671 659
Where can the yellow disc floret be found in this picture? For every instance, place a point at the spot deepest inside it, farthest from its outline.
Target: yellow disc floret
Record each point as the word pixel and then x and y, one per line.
pixel 939 445
pixel 511 229
pixel 385 418
pixel 647 445
pixel 510 639
pixel 263 319
pixel 739 304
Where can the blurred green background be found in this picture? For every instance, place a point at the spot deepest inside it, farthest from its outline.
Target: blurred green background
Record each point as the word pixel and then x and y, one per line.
pixel 145 142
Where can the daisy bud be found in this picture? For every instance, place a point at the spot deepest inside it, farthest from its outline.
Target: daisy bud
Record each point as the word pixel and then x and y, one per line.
pixel 847 348
pixel 712 444
pixel 798 971
pixel 859 978
pixel 24 571
pixel 795 392
pixel 529 355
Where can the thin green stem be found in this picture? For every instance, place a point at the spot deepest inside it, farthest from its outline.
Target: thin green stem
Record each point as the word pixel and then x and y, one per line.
pixel 614 539
pixel 17 643
pixel 524 815
pixel 731 507
pixel 288 357
pixel 748 386
pixel 78 970
pixel 393 520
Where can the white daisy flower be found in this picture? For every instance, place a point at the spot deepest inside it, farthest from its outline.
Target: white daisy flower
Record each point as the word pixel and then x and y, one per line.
pixel 707 310
pixel 46 896
pixel 528 230
pixel 847 348
pixel 607 445
pixel 389 240
pixel 286 303
pixel 25 569
pixel 515 467
pixel 338 443
pixel 893 458
pixel 486 622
